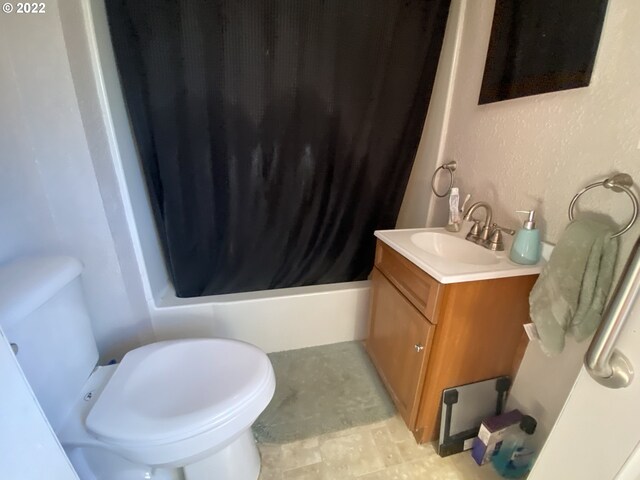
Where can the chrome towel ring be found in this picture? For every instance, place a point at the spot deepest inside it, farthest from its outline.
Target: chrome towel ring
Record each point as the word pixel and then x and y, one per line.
pixel 449 167
pixel 618 183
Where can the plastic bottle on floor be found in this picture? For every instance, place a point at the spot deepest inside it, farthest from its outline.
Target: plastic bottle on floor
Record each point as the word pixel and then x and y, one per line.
pixel 516 454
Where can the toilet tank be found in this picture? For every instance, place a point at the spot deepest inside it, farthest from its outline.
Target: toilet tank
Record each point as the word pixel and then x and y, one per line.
pixel 42 312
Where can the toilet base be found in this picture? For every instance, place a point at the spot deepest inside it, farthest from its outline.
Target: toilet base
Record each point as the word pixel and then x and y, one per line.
pixel 100 464
pixel 240 460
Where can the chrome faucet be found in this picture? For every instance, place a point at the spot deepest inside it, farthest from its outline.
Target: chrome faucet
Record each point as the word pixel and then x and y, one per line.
pixel 475 235
pixel 490 234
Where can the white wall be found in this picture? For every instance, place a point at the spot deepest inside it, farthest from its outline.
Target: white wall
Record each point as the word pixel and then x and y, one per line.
pixel 113 148
pixel 537 152
pixel 50 200
pixel 28 447
pixel 418 203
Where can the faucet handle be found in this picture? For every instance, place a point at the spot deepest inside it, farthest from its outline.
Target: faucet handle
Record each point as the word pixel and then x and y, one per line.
pixel 474 233
pixel 510 231
pixel 495 243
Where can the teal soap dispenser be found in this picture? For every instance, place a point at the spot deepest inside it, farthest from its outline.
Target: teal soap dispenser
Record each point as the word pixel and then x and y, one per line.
pixel 526 245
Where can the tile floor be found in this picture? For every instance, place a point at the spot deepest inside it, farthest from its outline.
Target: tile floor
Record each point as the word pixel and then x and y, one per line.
pixel 381 451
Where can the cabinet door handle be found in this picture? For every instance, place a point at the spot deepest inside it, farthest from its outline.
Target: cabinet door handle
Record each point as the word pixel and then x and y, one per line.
pixel 419 347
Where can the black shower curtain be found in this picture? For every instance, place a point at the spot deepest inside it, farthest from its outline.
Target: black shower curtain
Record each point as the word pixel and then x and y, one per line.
pixel 275 135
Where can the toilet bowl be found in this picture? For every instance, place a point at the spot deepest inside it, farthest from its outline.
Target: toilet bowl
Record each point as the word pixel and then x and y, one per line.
pixel 171 410
pixel 182 403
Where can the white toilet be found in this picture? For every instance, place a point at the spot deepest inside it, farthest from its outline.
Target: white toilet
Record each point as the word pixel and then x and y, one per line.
pixel 172 410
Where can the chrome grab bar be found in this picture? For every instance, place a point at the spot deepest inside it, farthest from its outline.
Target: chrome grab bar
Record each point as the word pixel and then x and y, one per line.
pixel 605 364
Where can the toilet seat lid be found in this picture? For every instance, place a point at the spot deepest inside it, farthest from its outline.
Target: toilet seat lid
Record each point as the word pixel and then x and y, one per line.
pixel 169 391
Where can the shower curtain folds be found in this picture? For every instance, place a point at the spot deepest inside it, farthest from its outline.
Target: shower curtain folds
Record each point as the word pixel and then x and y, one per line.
pixel 277 135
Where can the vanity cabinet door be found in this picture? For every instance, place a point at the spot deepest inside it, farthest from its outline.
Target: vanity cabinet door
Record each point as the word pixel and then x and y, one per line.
pixel 417 286
pixel 399 344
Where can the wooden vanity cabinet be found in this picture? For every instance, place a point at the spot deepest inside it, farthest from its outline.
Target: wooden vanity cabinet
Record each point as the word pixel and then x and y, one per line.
pixel 425 336
pixel 399 343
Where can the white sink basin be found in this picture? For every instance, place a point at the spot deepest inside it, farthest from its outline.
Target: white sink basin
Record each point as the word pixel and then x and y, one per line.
pixel 449 258
pixel 454 249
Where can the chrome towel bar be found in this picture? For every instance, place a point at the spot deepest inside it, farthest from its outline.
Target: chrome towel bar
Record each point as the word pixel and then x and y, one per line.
pixel 449 167
pixel 618 183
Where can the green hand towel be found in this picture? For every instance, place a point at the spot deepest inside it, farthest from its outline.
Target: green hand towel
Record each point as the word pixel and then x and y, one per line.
pixel 571 292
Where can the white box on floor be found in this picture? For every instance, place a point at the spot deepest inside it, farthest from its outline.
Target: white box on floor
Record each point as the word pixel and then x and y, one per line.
pixel 491 433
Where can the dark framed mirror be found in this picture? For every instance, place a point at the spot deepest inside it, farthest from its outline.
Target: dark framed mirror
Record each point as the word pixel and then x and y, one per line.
pixel 541 46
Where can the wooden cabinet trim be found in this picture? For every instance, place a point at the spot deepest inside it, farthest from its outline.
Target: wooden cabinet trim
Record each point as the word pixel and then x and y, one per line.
pixel 385 353
pixel 422 290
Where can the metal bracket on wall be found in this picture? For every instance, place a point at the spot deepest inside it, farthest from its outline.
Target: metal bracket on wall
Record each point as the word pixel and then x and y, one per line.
pixel 449 167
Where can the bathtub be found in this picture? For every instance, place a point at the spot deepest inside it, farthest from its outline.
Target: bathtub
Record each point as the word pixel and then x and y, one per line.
pixel 274 320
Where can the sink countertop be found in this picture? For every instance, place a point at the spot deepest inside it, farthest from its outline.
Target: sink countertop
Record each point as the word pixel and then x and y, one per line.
pixel 450 271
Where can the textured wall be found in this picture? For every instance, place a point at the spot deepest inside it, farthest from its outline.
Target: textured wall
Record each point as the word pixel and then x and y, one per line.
pixel 537 152
pixel 50 200
pixel 415 210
